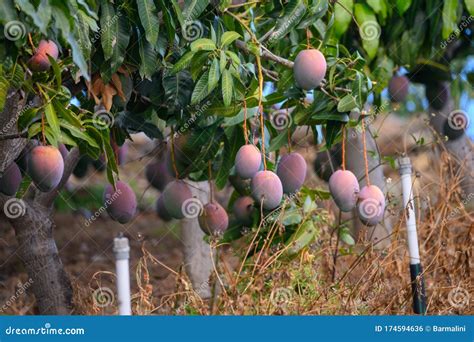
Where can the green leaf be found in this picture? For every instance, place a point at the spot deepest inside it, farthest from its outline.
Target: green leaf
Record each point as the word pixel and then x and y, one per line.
pixel 193 9
pixel 227 87
pixel 200 89
pixel 52 119
pixel 115 35
pixel 346 104
pixel 214 75
pixel 231 146
pixel 205 44
pixel 369 29
pixel 449 17
pixel 41 17
pixel 148 17
pixel 294 12
pixel 77 55
pixel 148 58
pixel 346 236
pixel 183 62
pixel 67 114
pixel 303 236
pixel 280 140
pixel 4 85
pixel 470 6
pixel 403 5
pixel 228 37
pixel 342 16
pixel 332 130
pixel 79 133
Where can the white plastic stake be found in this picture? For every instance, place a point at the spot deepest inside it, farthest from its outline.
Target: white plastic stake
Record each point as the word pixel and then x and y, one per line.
pixel 122 254
pixel 416 273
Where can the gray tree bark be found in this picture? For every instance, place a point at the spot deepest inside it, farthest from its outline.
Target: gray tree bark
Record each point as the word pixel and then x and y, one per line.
pixel 197 253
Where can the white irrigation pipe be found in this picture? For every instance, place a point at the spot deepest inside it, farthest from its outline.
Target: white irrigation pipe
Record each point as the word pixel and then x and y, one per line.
pixel 416 273
pixel 122 254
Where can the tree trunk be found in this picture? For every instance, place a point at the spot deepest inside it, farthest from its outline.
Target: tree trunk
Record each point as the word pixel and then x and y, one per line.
pixel 38 252
pixel 10 148
pixel 31 217
pixel 197 253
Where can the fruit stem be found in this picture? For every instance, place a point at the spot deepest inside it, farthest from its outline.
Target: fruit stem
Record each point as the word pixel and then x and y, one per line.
pixel 364 142
pixel 31 43
pixel 245 123
pixel 173 162
pixel 260 108
pixel 211 191
pixel 308 34
pixel 344 147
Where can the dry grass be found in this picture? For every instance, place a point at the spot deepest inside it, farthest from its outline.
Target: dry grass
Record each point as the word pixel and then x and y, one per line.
pixel 367 281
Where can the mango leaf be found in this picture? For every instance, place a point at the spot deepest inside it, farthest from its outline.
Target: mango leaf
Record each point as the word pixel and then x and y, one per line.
pixel 183 62
pixel 280 140
pixel 52 119
pixel 303 236
pixel 193 9
pixel 4 85
pixel 369 29
pixel 148 58
pixel 178 89
pixel 227 87
pixel 41 17
pixel 67 114
pixel 231 146
pixel 294 12
pixel 79 133
pixel 148 17
pixel 403 5
pixel 342 16
pixel 200 89
pixel 346 104
pixel 77 55
pixel 115 35
pixel 228 37
pixel 470 6
pixel 214 75
pixel 449 17
pixel 205 44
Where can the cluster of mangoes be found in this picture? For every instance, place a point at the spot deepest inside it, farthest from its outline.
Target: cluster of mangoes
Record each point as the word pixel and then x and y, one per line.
pixel 43 164
pixel 369 201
